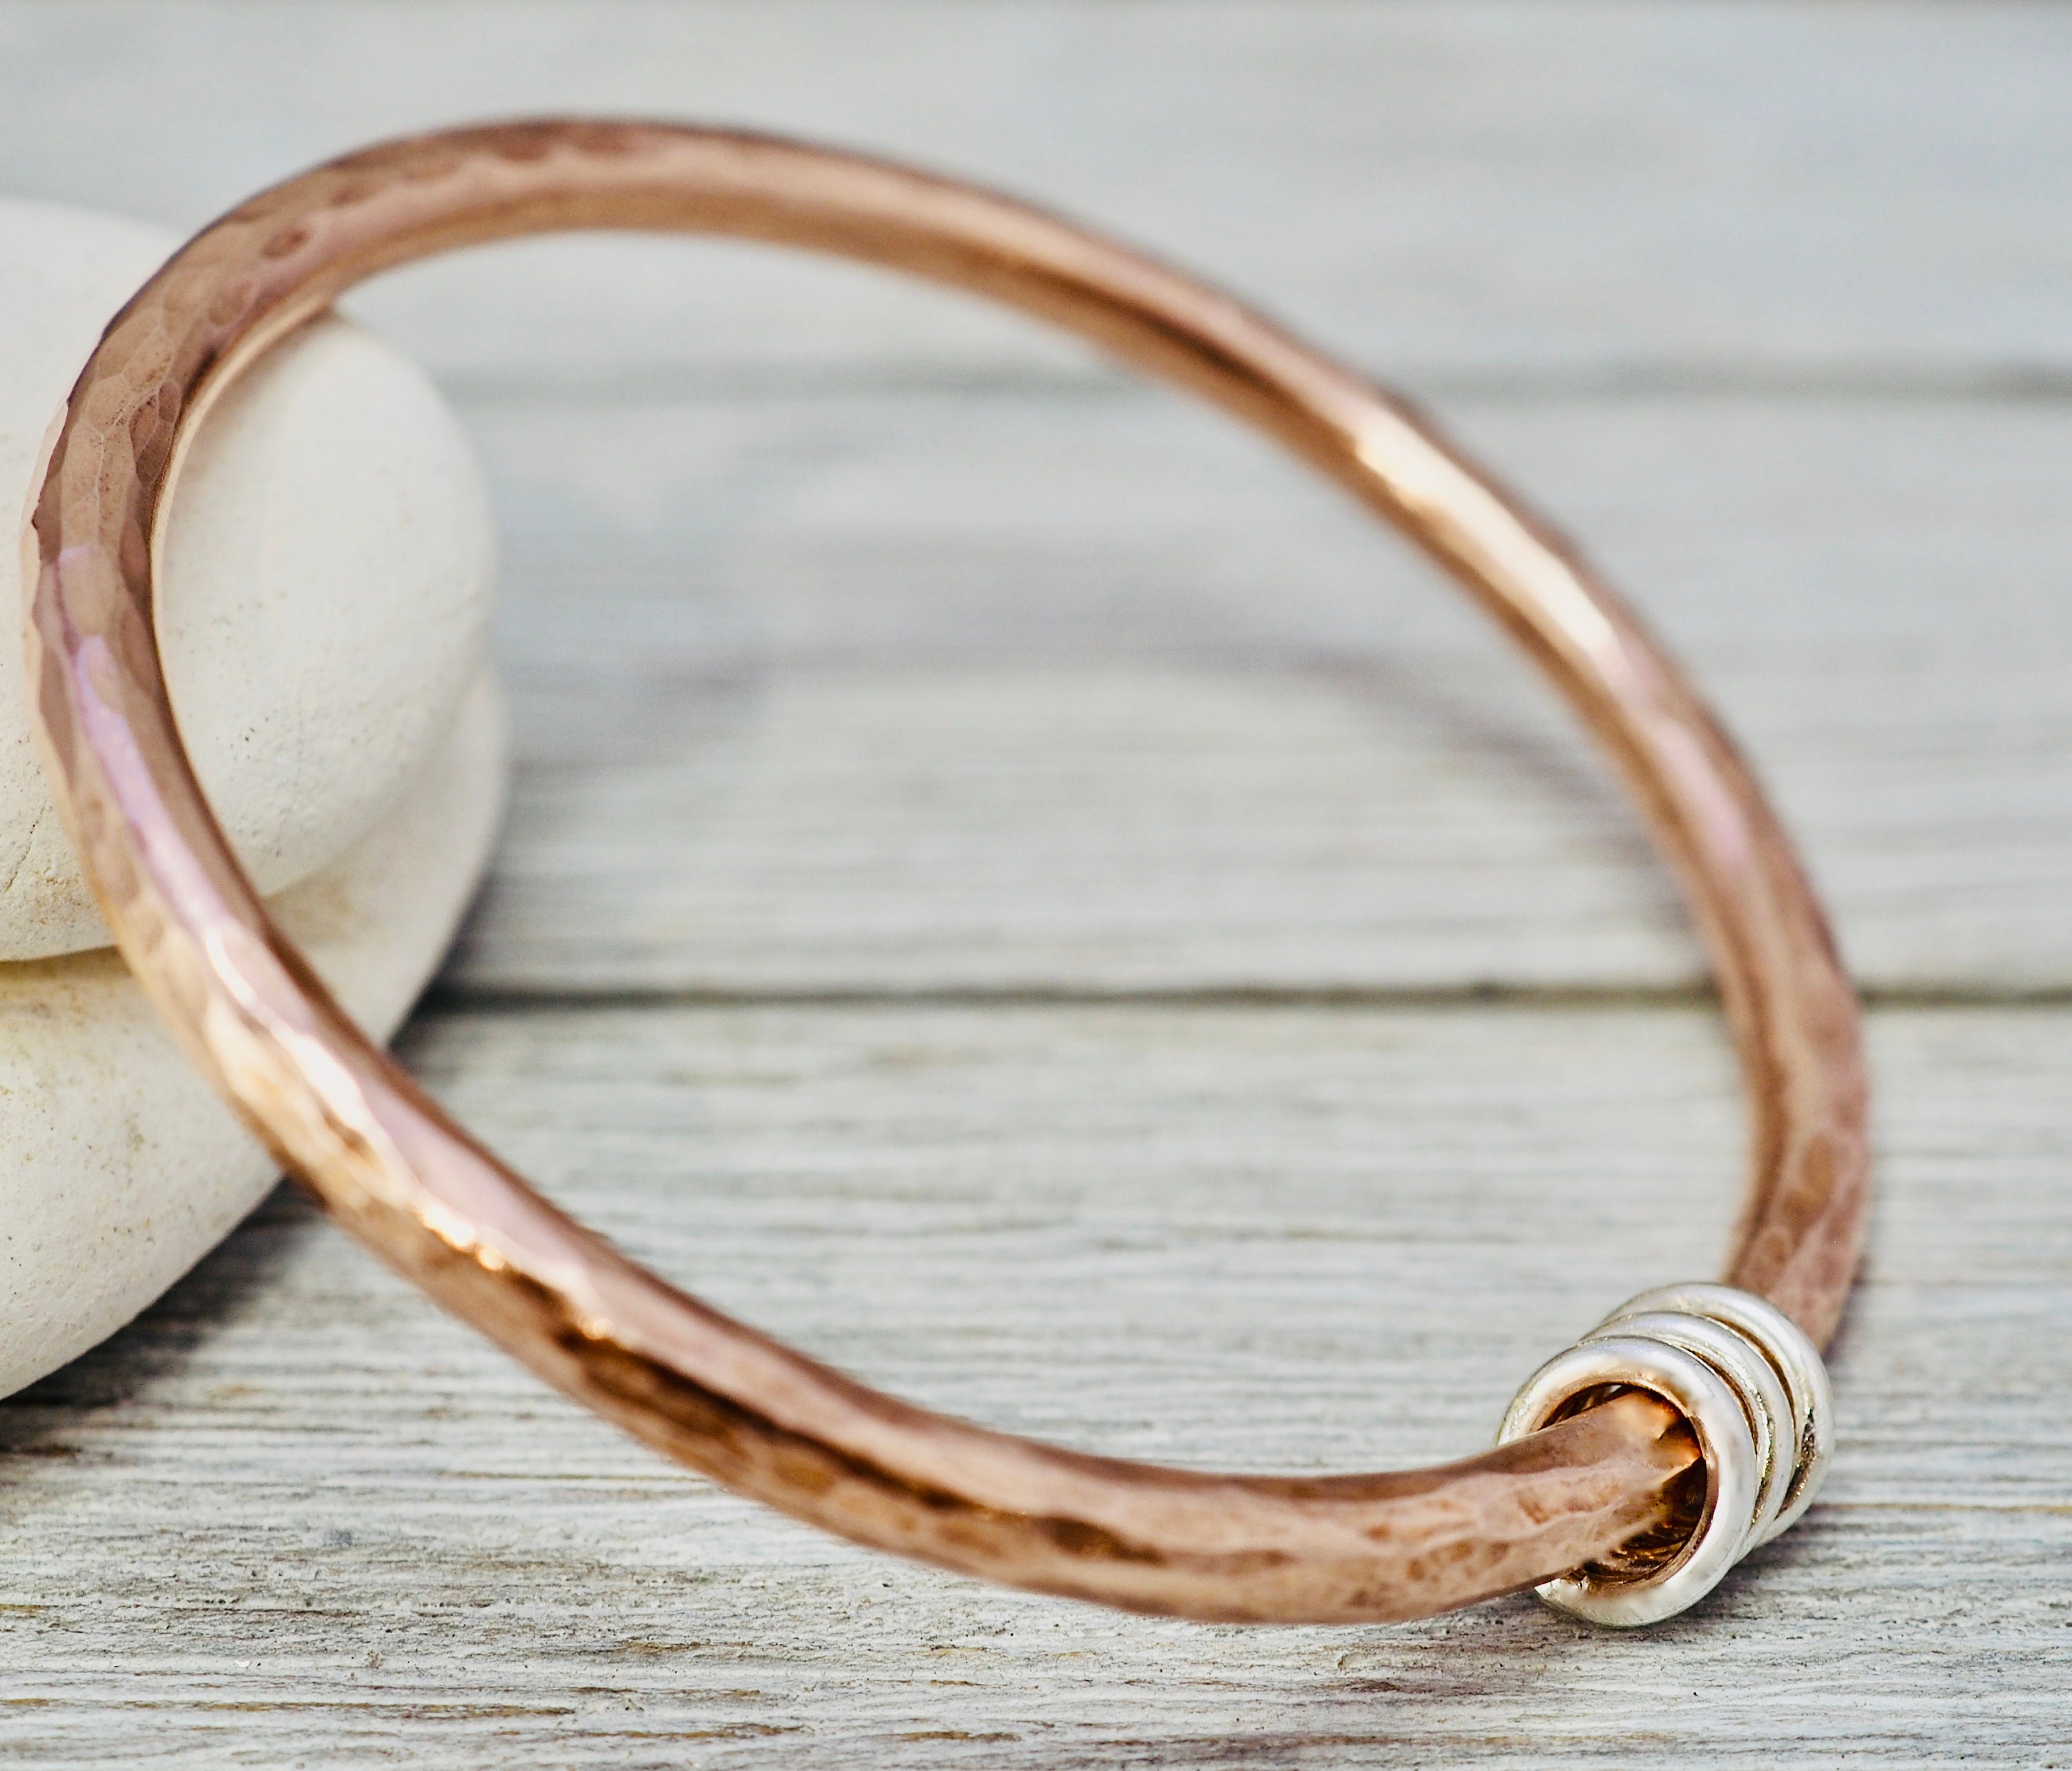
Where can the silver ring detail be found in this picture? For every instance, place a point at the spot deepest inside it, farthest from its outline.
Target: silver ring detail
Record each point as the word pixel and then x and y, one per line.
pixel 1754 1381
pixel 1792 1352
pixel 1753 1388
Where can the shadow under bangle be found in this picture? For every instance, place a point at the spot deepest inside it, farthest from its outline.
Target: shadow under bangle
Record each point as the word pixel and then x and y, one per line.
pixel 1633 1469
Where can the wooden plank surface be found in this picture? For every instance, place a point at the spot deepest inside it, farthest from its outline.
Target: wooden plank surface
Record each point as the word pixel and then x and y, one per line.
pixel 1030 688
pixel 895 617
pixel 297 1516
pixel 1317 1046
pixel 1774 192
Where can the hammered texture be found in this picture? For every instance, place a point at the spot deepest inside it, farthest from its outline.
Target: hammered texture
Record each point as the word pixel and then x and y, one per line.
pixel 718 1396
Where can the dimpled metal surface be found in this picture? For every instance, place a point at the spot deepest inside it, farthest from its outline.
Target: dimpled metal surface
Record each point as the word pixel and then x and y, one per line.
pixel 724 1397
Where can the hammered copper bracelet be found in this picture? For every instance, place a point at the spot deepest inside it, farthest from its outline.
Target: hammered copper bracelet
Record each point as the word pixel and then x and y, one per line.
pixel 1632 1471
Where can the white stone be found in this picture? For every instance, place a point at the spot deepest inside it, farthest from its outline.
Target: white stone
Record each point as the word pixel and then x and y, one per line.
pixel 326 587
pixel 325 603
pixel 122 1169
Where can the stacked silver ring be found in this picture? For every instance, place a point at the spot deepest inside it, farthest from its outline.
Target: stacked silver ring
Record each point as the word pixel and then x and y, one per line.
pixel 1754 1388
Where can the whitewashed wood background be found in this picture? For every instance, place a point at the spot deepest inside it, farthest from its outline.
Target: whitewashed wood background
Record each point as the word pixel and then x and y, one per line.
pixel 1012 887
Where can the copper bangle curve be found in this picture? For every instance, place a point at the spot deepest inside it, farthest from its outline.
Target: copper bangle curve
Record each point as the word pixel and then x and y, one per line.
pixel 721 1397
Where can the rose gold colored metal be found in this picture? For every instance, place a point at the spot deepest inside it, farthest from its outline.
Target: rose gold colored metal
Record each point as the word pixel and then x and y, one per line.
pixel 719 1396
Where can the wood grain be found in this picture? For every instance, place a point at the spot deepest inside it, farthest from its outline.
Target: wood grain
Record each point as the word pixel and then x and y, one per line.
pixel 1043 689
pixel 939 660
pixel 297 1514
pixel 1790 193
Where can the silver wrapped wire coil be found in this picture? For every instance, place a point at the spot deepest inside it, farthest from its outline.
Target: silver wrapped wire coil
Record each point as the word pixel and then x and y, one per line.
pixel 1753 1387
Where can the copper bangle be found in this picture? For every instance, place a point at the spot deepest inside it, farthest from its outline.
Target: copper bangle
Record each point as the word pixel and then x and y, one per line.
pixel 724 1399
